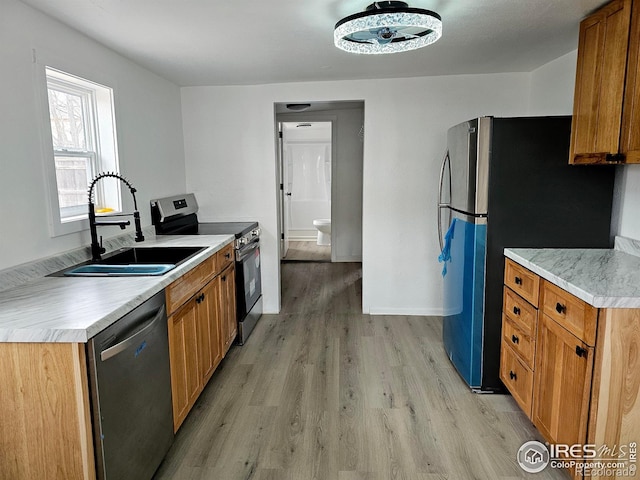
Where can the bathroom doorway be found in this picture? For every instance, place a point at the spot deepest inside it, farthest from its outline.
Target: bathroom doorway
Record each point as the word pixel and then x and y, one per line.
pixel 337 178
pixel 306 153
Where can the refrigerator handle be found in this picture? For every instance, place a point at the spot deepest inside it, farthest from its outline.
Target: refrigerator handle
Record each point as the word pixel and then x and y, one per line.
pixel 440 204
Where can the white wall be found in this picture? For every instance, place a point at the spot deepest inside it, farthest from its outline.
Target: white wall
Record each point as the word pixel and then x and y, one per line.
pixel 230 164
pixel 552 86
pixel 148 119
pixel 552 94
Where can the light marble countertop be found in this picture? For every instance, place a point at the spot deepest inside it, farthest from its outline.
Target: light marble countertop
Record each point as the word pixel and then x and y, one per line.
pixel 74 309
pixel 602 278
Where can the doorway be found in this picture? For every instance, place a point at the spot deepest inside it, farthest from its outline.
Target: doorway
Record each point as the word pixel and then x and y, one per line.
pixel 344 179
pixel 306 151
pixel 346 173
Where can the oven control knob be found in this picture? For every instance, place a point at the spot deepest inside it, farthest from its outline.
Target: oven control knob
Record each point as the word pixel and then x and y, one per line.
pixel 242 241
pixel 255 232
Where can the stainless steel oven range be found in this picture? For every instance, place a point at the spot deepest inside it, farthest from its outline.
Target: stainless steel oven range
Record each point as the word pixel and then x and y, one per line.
pixel 177 215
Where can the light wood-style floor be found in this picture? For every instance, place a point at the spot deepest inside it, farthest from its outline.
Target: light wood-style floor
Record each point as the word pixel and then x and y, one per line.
pixel 323 392
pixel 308 252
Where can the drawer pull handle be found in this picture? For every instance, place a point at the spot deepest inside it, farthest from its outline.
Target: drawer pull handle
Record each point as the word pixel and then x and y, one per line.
pixel 512 375
pixel 227 255
pixel 516 310
pixel 518 280
pixel 200 298
pixel 561 308
pixel 615 157
pixel 515 339
pixel 581 352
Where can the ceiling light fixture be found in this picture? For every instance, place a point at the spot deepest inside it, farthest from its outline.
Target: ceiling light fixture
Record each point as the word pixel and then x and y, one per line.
pixel 298 107
pixel 387 27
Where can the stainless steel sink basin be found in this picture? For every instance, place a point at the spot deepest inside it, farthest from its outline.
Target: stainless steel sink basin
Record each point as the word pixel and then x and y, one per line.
pixel 102 270
pixel 151 255
pixel 133 261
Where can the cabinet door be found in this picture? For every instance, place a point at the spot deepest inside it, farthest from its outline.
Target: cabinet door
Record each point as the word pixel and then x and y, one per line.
pixel 600 78
pixel 517 377
pixel 183 352
pixel 210 344
pixel 228 307
pixel 562 384
pixel 630 138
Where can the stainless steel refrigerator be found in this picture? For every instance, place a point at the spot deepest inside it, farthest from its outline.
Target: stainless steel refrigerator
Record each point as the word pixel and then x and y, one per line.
pixel 506 182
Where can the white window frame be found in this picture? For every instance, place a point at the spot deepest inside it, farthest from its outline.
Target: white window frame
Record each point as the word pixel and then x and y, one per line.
pixel 99 103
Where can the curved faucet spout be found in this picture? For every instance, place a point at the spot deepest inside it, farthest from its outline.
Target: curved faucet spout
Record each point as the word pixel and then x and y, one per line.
pixel 96 246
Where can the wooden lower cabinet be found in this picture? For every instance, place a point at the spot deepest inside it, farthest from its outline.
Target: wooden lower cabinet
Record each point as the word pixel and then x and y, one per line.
pixel 517 377
pixel 186 383
pixel 209 336
pixel 562 385
pixel 200 334
pixel 195 347
pixel 583 362
pixel 228 320
pixel 45 426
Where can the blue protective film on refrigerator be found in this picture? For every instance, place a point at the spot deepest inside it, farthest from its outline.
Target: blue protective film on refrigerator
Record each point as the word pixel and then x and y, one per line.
pixel 464 299
pixel 445 254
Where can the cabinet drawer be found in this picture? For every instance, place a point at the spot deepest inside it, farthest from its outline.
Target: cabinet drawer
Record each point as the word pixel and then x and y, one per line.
pixel 522 281
pixel 225 257
pixel 521 312
pixel 570 312
pixel 517 377
pixel 520 341
pixel 186 286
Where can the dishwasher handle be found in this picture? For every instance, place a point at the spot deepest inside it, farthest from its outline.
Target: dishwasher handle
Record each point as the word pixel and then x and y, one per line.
pixel 127 342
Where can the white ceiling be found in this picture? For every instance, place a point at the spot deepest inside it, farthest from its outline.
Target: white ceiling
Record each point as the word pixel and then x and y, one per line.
pixel 216 42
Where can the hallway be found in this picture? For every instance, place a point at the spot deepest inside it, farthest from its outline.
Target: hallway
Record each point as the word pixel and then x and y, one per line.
pixel 323 392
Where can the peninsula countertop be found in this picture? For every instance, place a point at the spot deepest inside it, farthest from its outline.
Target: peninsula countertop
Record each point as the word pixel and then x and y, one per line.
pixel 601 277
pixel 74 309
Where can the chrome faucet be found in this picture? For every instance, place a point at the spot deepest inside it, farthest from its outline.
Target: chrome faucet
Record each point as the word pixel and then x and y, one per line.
pixel 96 245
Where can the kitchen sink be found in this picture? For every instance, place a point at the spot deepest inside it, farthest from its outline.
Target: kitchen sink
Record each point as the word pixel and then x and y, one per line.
pixel 151 255
pixel 102 270
pixel 133 261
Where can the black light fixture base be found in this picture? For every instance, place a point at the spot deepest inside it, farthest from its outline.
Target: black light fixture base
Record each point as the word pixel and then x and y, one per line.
pixel 387 5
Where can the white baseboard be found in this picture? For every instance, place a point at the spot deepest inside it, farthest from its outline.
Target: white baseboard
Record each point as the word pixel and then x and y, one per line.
pixel 348 259
pixel 297 238
pixel 422 312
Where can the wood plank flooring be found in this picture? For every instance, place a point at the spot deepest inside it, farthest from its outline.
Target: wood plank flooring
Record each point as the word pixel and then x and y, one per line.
pixel 323 392
pixel 308 252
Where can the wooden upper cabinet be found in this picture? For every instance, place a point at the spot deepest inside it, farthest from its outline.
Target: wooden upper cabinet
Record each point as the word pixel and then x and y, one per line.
pixel 630 137
pixel 597 133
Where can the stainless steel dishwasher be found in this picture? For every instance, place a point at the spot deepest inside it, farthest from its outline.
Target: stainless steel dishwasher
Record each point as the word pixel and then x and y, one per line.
pixel 130 388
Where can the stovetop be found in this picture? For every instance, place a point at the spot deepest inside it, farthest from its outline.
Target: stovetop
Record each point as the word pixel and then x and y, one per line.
pixel 230 228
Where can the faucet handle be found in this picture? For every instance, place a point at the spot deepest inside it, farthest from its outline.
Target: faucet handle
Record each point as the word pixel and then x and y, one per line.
pixel 136 221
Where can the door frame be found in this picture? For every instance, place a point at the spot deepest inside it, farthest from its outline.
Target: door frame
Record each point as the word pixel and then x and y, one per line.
pixel 304 117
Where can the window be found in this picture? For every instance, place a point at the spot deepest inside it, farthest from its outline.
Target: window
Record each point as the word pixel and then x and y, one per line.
pixel 83 138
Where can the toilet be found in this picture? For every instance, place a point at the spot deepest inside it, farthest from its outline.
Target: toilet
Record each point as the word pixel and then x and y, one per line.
pixel 324 230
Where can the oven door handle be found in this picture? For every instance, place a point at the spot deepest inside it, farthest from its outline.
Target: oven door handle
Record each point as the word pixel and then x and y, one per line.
pixel 246 251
